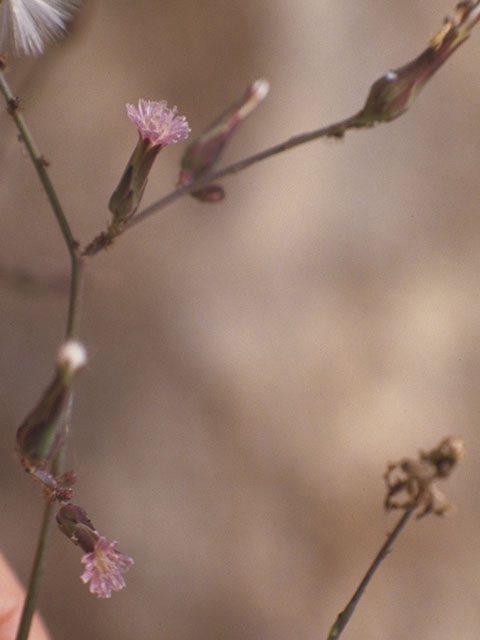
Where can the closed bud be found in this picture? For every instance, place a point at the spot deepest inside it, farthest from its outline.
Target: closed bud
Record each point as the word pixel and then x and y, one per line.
pixel 210 193
pixel 74 522
pixel 393 93
pixel 40 432
pixel 202 155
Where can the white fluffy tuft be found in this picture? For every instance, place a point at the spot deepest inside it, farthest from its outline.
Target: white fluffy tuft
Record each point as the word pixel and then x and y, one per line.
pixel 28 25
pixel 72 355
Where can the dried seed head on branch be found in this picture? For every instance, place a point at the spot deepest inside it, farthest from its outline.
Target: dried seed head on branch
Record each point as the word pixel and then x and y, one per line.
pixel 412 483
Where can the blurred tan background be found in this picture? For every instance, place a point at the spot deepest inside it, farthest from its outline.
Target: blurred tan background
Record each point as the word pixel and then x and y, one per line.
pixel 254 364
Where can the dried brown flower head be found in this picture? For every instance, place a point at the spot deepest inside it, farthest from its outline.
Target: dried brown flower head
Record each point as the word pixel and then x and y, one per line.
pixel 411 483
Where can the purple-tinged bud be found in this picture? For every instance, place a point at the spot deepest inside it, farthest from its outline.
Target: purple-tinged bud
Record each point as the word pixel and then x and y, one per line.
pixel 210 193
pixel 74 522
pixel 393 93
pixel 158 126
pixel 104 564
pixel 202 154
pixel 41 431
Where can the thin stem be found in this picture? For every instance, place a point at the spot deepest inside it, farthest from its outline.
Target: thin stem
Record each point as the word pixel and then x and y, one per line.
pixel 36 574
pixel 41 167
pixel 76 263
pixel 39 163
pixel 335 130
pixel 345 615
pixel 40 558
pixel 389 97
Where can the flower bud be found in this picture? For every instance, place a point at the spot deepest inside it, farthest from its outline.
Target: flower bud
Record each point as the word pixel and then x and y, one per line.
pixel 202 155
pixel 40 432
pixel 393 93
pixel 74 522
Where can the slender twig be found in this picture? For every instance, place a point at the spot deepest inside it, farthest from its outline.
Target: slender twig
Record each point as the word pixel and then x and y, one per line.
pixel 71 330
pixel 335 130
pixel 390 96
pixel 77 265
pixel 40 165
pixel 345 615
pixel 36 574
pixel 39 162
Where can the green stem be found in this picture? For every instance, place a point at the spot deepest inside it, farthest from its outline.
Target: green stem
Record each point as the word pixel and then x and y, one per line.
pixel 36 574
pixel 345 615
pixel 76 263
pixel 389 97
pixel 39 163
pixel 40 166
pixel 335 130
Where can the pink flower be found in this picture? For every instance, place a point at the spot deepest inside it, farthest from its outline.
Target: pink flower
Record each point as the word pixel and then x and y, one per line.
pixel 157 123
pixel 104 568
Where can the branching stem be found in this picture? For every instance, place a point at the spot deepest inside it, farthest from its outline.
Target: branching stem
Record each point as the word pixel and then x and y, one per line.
pixel 335 130
pixel 76 261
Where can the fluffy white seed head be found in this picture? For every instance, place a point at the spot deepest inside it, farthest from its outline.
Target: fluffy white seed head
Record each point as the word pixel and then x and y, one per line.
pixel 260 88
pixel 28 25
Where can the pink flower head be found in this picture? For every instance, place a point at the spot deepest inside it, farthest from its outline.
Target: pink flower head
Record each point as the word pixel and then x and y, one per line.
pixel 157 123
pixel 104 568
